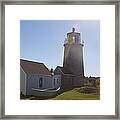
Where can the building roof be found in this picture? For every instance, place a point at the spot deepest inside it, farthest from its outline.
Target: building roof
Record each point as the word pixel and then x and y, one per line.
pixel 61 68
pixel 63 71
pixel 73 31
pixel 31 67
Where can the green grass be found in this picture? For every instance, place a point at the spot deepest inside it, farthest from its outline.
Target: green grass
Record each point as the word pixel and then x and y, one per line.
pixel 76 95
pixel 73 94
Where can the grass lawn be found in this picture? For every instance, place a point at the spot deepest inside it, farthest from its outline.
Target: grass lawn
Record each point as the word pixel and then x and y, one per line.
pixel 73 94
pixel 76 95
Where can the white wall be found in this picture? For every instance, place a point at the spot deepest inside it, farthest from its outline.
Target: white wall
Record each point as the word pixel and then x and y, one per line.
pixel 47 82
pixel 22 81
pixel 52 82
pixel 56 81
pixel 33 82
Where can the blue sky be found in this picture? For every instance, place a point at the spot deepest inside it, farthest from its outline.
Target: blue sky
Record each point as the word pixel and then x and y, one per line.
pixel 42 40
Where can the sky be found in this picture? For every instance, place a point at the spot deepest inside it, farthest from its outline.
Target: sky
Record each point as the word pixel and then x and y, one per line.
pixel 42 41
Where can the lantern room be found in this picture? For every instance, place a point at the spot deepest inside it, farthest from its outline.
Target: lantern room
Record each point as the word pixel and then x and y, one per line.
pixel 73 37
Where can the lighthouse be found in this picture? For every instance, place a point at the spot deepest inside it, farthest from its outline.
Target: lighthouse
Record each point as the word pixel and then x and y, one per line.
pixel 73 54
pixel 72 71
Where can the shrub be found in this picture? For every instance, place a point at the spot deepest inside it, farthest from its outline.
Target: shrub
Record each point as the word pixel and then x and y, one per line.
pixel 89 90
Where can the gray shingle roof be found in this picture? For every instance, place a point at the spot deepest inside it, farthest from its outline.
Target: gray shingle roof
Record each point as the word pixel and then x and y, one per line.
pixel 65 72
pixel 31 67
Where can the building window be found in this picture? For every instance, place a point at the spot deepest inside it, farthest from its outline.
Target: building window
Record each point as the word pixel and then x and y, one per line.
pixel 57 81
pixel 40 82
pixel 54 82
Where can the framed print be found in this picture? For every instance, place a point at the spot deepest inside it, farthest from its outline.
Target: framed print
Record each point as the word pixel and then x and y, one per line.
pixel 60 59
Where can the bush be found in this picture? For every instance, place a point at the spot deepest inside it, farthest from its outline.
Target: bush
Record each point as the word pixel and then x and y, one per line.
pixel 89 90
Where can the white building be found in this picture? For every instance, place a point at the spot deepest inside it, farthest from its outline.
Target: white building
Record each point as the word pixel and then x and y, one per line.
pixel 36 77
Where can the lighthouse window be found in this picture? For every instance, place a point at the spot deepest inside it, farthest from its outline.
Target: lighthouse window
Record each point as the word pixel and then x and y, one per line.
pixel 73 37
